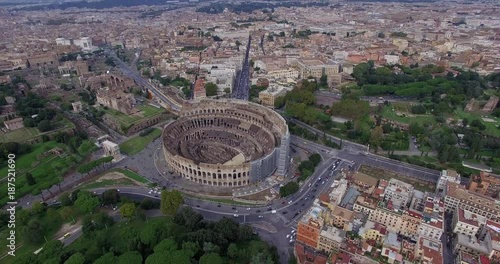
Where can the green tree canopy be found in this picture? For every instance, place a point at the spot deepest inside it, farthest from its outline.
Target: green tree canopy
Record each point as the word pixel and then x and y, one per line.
pixel 211 89
pixel 171 201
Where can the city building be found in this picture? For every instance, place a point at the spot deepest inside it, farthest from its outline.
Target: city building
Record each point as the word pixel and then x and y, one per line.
pixel 398 193
pixel 445 177
pixel 310 226
pixel 331 239
pixel 268 96
pixel 429 251
pixel 315 68
pixel 486 184
pixel 458 196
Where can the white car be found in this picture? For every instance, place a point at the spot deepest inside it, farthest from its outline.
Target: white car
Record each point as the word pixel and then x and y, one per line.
pixel 248 209
pixel 287 236
pixel 261 216
pixel 235 215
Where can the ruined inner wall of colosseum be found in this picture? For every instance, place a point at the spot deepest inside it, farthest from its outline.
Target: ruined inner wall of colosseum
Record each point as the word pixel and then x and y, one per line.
pixel 226 143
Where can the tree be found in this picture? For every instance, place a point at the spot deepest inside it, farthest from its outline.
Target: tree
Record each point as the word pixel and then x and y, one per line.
pixel 227 90
pixel 37 207
pixel 166 245
pixel 289 189
pixel 323 81
pixel 376 136
pixel 34 231
pixel 76 258
pixel 107 258
pixel 191 247
pixel 66 212
pixel 245 232
pixel 211 258
pixel 418 109
pixel 315 159
pixel 52 249
pixel 44 126
pixel 29 179
pixel 111 196
pixel 128 210
pixel 232 251
pixel 130 257
pixel 170 202
pixel 416 129
pixel 86 202
pixel 209 247
pixel 211 89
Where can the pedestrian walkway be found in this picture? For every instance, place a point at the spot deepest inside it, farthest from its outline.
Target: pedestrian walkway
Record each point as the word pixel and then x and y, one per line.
pixel 265 226
pixel 257 187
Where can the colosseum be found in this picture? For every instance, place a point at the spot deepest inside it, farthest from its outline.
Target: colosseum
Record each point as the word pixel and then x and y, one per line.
pixel 225 142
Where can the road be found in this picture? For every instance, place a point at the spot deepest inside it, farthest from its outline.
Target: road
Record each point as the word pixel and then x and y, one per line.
pixel 359 154
pixel 132 73
pixel 280 222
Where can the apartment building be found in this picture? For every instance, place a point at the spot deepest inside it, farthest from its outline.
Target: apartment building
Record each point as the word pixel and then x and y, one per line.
pixel 365 204
pixel 467 223
pixel 398 193
pixel 373 231
pixel 485 183
pixel 429 251
pixel 315 68
pixel 331 239
pixel 268 96
pixel 445 177
pixel 309 227
pixel 392 219
pixel 341 218
pixel 458 196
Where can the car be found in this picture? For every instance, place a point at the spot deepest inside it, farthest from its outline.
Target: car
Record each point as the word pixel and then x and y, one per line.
pixel 218 205
pixel 314 190
pixel 150 191
pixel 197 205
pixel 310 184
pixel 284 202
pixel 235 215
pixel 235 211
pixel 305 199
pixel 285 212
pixel 290 202
pixel 258 211
pixel 117 190
pixel 295 214
pixel 287 236
pixel 303 204
pixel 234 208
pixel 294 231
pixel 269 209
pixel 323 182
pixel 248 209
pixel 300 211
pixel 66 235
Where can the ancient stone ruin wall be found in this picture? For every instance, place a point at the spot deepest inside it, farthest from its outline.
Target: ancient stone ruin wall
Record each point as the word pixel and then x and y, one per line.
pixel 227 143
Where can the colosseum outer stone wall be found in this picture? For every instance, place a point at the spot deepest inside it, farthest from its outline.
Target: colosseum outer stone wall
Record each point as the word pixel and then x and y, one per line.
pixel 228 143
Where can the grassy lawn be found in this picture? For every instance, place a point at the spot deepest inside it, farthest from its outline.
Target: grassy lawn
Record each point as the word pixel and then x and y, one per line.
pixel 138 143
pixel 387 175
pixel 408 118
pixel 132 175
pixel 491 127
pixel 46 171
pixel 127 121
pixel 110 182
pixel 28 133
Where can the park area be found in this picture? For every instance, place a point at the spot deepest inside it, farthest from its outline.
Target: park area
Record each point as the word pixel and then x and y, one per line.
pixel 26 134
pixel 47 162
pixel 400 112
pixel 138 143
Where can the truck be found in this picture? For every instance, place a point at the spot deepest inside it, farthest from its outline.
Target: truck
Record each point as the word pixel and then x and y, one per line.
pixel 273 211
